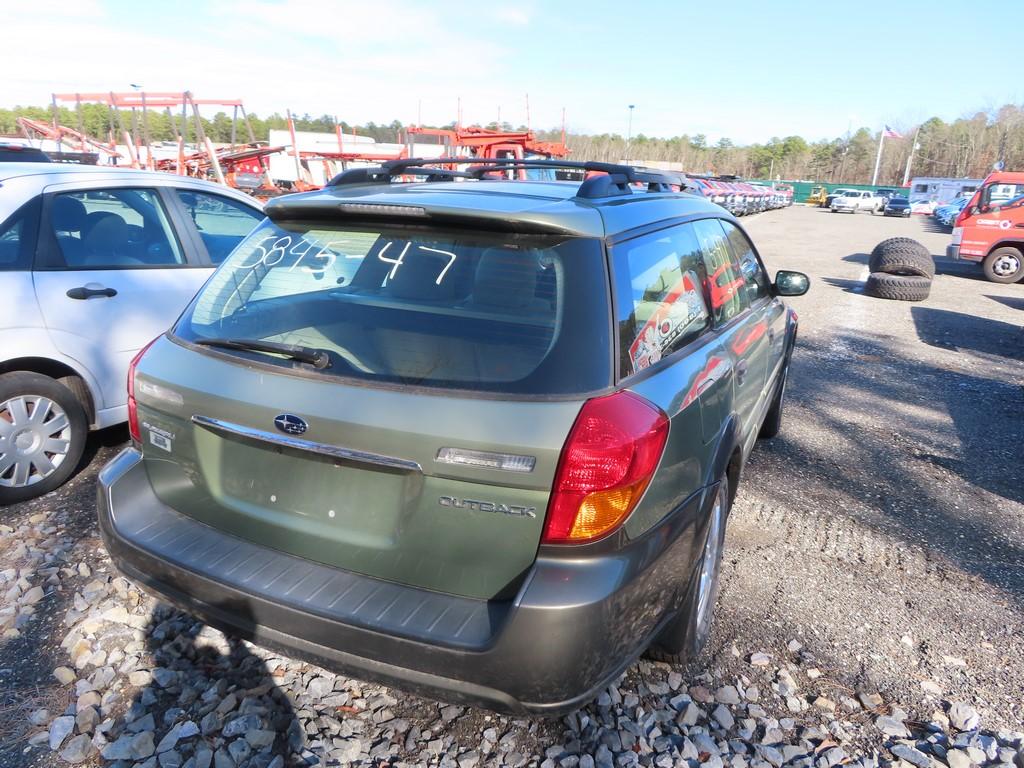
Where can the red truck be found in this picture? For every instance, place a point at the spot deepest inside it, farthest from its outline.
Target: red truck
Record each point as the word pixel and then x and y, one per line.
pixel 990 228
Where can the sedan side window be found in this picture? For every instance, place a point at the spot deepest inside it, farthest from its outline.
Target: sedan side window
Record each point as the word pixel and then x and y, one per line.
pixel 659 301
pixel 725 284
pixel 222 222
pixel 758 286
pixel 18 237
pixel 113 228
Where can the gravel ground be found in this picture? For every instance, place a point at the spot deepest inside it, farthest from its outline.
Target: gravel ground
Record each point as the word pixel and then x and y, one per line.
pixel 872 610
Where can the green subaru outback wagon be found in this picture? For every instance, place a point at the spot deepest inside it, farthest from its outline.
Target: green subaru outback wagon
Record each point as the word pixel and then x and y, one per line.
pixel 458 431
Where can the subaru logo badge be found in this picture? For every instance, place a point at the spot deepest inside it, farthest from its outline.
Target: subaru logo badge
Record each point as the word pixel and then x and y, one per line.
pixel 290 424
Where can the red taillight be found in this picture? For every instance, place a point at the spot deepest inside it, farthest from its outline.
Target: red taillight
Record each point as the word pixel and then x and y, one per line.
pixel 133 411
pixel 963 216
pixel 607 461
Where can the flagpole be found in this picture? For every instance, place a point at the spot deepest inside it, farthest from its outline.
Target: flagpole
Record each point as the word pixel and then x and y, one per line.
pixel 910 157
pixel 878 158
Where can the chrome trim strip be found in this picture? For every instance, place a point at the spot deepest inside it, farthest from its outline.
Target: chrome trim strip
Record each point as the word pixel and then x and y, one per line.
pixel 284 441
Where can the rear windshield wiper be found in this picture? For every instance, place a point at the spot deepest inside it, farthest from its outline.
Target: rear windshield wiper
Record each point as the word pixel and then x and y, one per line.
pixel 318 358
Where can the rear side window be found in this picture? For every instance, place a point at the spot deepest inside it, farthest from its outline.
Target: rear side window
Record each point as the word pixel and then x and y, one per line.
pixel 726 286
pixel 113 228
pixel 501 313
pixel 18 237
pixel 222 222
pixel 757 284
pixel 659 300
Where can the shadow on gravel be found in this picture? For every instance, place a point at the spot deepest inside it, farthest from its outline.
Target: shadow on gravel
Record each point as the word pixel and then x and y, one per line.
pixel 968 333
pixel 900 457
pixel 1013 302
pixel 850 286
pixel 111 437
pixel 965 269
pixel 209 695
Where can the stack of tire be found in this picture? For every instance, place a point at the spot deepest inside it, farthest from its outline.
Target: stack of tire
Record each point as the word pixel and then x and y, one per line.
pixel 901 269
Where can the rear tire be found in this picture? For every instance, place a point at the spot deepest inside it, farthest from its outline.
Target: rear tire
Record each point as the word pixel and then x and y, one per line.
pixel 1004 265
pixel 688 632
pixel 39 450
pixel 898 287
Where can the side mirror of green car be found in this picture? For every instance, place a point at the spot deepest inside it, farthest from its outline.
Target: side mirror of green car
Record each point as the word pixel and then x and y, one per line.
pixel 789 283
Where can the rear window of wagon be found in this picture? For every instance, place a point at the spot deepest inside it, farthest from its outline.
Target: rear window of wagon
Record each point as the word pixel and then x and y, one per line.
pixel 514 314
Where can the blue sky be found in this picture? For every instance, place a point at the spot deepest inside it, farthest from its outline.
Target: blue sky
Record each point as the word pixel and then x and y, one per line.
pixel 744 70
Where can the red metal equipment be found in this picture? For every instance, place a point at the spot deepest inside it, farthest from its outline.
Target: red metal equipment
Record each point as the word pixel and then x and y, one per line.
pixel 486 143
pixel 34 130
pixel 244 168
pixel 160 99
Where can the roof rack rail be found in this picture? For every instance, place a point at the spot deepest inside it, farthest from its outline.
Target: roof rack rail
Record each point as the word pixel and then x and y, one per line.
pixel 614 179
pixel 378 174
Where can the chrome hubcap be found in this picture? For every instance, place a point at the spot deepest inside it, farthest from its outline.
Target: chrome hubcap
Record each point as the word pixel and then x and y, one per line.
pixel 35 436
pixel 708 584
pixel 1005 266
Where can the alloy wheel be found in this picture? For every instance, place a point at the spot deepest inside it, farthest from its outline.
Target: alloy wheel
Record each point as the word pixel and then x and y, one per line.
pixel 707 584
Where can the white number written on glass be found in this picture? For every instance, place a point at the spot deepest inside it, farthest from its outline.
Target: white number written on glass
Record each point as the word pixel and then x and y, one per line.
pixel 400 259
pixel 316 260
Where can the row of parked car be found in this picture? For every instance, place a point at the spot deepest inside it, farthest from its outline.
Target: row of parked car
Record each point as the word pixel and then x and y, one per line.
pixel 946 214
pixel 888 202
pixel 742 198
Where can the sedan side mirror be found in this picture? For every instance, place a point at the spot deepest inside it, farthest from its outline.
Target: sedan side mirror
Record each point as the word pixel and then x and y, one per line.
pixel 788 283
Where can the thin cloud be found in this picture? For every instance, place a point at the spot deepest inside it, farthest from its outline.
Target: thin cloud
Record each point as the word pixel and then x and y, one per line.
pixel 511 14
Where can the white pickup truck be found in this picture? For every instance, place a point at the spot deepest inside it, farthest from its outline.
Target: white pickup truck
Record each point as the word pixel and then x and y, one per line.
pixel 854 200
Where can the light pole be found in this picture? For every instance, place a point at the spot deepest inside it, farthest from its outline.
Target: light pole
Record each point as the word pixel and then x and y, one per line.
pixel 629 131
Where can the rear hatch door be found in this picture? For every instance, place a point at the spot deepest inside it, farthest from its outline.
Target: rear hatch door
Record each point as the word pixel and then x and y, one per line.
pixel 426 452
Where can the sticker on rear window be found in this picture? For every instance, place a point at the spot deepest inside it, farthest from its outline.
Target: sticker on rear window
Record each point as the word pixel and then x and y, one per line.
pixel 681 308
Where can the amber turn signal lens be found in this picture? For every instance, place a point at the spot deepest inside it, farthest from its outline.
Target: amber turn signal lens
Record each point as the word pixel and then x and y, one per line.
pixel 601 511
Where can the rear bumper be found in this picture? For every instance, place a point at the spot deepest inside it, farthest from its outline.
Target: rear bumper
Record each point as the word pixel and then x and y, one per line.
pixel 953 252
pixel 575 625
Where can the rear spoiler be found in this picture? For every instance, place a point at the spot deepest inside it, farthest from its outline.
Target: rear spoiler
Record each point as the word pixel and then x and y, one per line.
pixel 333 210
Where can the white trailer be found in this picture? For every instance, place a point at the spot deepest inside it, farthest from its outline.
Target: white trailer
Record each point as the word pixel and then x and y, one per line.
pixel 929 192
pixel 282 165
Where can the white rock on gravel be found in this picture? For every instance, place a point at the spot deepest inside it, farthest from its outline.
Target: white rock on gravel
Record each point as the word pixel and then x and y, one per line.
pixel 77 750
pixel 963 717
pixel 60 729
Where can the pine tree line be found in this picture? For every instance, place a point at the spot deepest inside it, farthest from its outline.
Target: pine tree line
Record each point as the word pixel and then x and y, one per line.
pixel 964 147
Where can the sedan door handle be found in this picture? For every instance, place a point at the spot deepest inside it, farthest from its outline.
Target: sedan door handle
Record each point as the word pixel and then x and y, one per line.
pixel 84 292
pixel 741 371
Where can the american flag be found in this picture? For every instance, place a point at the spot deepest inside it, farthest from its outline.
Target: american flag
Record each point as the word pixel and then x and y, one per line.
pixel 889 133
